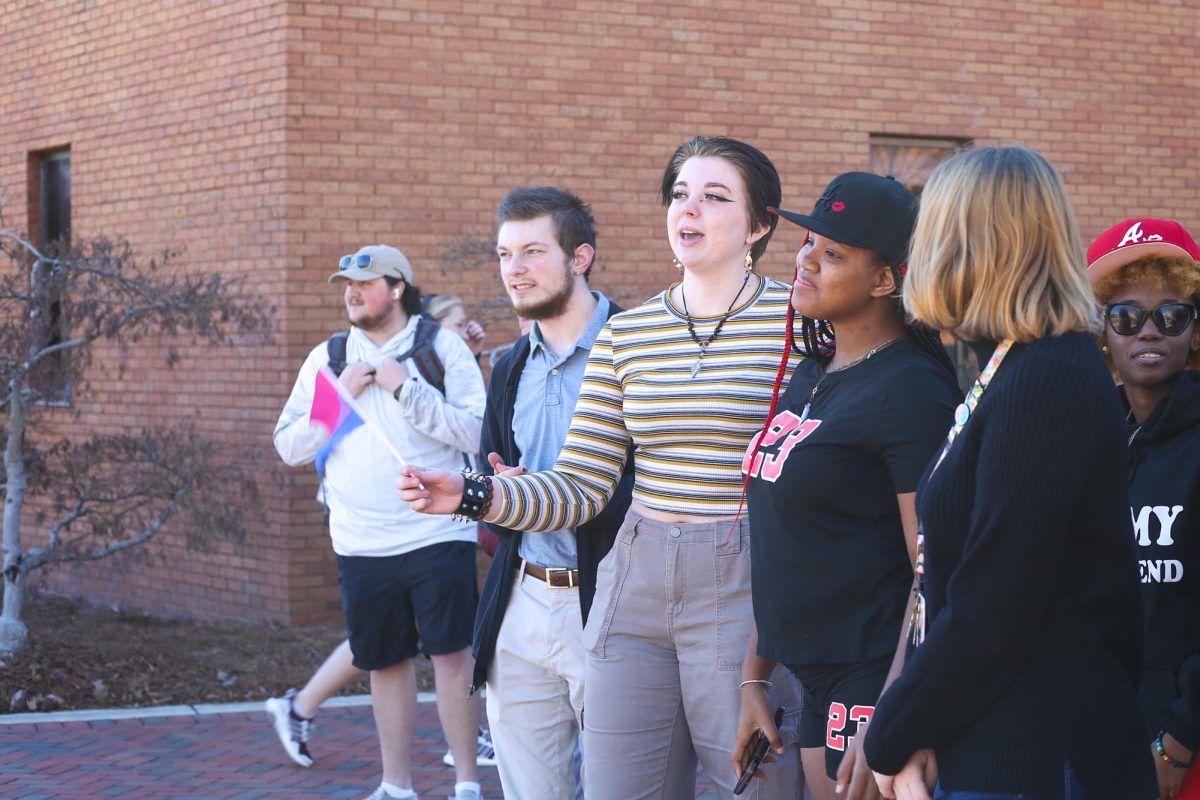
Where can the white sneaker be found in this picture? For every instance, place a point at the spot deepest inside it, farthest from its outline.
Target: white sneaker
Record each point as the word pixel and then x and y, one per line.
pixel 467 794
pixel 292 732
pixel 380 794
pixel 485 753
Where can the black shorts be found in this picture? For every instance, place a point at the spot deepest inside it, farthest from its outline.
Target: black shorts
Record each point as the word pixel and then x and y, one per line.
pixel 837 698
pixel 418 602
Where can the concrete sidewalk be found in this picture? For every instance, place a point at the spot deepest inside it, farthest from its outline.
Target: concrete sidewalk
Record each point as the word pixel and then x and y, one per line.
pixel 211 752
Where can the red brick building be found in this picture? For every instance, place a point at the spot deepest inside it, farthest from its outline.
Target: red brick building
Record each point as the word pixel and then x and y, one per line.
pixel 269 138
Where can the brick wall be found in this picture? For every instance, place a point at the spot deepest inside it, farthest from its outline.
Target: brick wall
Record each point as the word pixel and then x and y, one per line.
pixel 176 119
pixel 268 138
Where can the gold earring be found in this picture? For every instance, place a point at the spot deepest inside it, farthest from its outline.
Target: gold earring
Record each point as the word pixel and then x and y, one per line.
pixel 749 262
pixel 678 265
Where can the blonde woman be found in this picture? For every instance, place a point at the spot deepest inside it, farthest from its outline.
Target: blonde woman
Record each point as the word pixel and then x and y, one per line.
pixel 450 312
pixel 1023 684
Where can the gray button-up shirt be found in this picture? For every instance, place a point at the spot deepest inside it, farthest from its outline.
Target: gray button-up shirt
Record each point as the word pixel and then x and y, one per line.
pixel 545 404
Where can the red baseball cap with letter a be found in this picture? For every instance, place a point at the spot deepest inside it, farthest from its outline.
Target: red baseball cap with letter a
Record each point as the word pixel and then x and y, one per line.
pixel 1136 238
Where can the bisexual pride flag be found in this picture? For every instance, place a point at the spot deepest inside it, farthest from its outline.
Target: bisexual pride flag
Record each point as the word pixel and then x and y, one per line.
pixel 333 410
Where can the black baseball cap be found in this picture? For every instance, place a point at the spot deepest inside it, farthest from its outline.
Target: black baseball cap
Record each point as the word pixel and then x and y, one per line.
pixel 863 210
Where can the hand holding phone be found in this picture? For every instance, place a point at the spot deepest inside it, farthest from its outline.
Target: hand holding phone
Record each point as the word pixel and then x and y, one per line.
pixel 756 752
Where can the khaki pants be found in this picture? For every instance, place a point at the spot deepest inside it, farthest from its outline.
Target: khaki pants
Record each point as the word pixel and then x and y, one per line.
pixel 665 638
pixel 535 691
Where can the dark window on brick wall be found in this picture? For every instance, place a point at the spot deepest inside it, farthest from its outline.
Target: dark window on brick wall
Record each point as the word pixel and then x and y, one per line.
pixel 50 228
pixel 910 160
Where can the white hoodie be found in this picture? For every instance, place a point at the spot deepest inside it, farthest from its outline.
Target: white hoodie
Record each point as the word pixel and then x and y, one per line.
pixel 366 515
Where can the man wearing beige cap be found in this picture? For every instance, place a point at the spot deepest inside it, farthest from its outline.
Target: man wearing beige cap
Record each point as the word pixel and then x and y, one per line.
pixel 401 572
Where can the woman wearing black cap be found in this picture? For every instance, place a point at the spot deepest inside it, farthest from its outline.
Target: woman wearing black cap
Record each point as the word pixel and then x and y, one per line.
pixel 832 476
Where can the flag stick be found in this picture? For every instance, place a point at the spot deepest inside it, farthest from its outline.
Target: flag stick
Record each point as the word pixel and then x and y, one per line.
pixel 345 395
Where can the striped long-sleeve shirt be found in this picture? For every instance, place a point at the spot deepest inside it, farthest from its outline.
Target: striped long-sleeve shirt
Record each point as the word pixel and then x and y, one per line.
pixel 690 431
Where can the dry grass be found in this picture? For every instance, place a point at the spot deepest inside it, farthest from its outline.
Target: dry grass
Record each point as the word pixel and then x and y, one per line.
pixel 83 656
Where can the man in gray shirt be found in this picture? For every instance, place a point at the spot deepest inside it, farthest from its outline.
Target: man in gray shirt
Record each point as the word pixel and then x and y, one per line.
pixel 528 632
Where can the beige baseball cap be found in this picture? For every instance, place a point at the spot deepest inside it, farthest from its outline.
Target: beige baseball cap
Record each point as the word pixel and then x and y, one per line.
pixel 374 261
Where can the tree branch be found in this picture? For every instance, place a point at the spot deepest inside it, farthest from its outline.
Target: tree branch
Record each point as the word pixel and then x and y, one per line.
pixel 46 352
pixel 40 557
pixel 27 245
pixel 161 519
pixel 56 531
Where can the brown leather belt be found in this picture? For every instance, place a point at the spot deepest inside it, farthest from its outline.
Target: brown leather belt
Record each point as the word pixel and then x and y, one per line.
pixel 554 578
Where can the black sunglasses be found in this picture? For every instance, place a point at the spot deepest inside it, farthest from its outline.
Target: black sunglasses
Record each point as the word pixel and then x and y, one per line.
pixel 1171 319
pixel 362 261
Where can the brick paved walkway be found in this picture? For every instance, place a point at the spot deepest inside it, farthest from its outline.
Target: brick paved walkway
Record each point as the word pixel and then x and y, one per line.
pixel 211 756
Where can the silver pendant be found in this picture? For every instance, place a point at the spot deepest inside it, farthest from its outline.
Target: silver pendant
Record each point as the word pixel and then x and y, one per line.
pixel 696 366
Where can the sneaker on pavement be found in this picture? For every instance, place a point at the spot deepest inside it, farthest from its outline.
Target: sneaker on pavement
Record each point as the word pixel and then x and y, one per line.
pixel 292 731
pixel 485 753
pixel 381 794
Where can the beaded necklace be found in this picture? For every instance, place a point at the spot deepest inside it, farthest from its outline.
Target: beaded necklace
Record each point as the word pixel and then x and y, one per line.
pixel 916 622
pixel 704 343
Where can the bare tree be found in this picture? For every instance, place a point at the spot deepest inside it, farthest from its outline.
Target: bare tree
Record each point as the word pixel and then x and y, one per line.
pixel 107 493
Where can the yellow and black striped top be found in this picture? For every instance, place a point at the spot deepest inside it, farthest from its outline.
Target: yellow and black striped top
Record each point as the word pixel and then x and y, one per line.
pixel 690 427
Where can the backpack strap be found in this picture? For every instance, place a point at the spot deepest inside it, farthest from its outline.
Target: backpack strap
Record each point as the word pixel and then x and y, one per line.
pixel 336 350
pixel 424 356
pixel 426 359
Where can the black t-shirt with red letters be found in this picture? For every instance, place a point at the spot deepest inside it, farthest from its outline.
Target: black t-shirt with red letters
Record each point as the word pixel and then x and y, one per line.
pixel 830 569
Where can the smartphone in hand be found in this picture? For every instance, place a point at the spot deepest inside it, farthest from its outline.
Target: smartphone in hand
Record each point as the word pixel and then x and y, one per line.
pixel 755 753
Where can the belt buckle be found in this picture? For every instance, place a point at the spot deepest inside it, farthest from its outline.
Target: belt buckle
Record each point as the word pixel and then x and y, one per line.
pixel 563 571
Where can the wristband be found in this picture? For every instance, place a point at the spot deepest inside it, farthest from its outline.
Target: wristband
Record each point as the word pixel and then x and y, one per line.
pixel 476 497
pixel 1165 756
pixel 765 683
pixel 400 388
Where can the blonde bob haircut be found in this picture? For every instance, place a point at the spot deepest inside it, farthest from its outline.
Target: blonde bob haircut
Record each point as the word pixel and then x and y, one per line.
pixel 996 253
pixel 438 306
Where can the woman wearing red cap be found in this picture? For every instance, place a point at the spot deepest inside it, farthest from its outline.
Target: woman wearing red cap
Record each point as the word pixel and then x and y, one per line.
pixel 1145 271
pixel 1024 681
pixel 832 477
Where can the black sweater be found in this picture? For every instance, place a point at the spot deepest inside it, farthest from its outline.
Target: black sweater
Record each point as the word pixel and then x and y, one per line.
pixel 1164 493
pixel 1031 657
pixel 593 539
